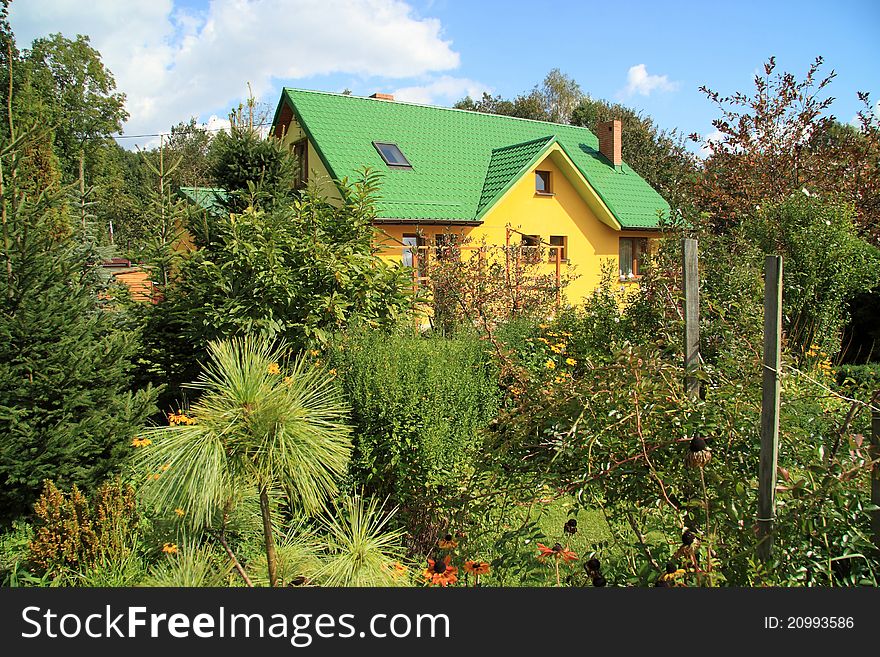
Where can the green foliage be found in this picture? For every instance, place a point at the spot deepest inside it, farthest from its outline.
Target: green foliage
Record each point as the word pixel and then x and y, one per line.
pixel 254 172
pixel 80 95
pixel 67 409
pixel 419 405
pixel 825 264
pixel 73 535
pixel 192 565
pixel 251 427
pixel 359 548
pixel 297 274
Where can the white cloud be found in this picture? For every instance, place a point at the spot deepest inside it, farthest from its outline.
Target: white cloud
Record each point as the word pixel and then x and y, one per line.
pixel 714 137
pixel 174 63
pixel 443 90
pixel 638 81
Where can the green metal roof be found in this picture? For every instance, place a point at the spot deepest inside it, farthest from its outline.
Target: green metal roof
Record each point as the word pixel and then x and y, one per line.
pixel 462 161
pixel 505 168
pixel 204 197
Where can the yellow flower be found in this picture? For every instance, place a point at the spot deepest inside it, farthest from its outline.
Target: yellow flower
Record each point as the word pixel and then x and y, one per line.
pixel 332 372
pixel 550 365
pixel 543 326
pixel 557 348
pixel 180 512
pixel 141 442
pixel 571 361
pixel 288 380
pixel 175 419
pixel 273 368
pixel 313 353
pixel 165 467
pixel 169 548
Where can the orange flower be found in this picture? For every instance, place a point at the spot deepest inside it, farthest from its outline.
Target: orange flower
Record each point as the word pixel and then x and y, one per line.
pixel 440 573
pixel 273 368
pixel 557 552
pixel 179 512
pixel 476 567
pixel 169 548
pixel 448 543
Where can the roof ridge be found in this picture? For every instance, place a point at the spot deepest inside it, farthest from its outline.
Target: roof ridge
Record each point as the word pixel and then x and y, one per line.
pixel 439 107
pixel 539 140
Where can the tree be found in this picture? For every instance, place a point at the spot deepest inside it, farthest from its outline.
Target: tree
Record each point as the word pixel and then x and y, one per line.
pixel 253 172
pixel 780 140
pixel 191 144
pixel 299 274
pixel 80 96
pixel 561 94
pixel 826 264
pixel 553 101
pixel 255 425
pixel 67 411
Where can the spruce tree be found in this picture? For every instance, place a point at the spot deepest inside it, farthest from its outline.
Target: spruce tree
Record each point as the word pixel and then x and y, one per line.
pixel 66 410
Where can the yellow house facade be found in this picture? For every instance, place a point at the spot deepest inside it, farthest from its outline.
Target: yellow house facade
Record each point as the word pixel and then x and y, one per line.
pixel 489 179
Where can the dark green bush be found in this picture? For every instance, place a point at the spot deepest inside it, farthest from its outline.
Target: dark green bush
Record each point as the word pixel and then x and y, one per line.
pixel 419 405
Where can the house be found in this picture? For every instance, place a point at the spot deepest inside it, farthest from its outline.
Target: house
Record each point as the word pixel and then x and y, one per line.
pixel 449 173
pixel 134 277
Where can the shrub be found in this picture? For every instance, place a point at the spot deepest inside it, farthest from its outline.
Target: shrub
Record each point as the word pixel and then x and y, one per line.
pixel 418 406
pixel 826 264
pixel 73 534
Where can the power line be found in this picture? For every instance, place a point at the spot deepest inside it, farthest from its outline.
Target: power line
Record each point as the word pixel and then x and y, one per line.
pixel 167 134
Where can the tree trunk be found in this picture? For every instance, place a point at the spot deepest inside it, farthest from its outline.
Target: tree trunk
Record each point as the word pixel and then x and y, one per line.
pixel 271 558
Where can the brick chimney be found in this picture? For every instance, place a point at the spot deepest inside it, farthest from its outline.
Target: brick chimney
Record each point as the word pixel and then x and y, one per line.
pixel 382 96
pixel 610 135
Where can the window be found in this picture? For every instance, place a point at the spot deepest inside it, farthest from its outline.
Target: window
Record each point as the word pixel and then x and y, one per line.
pixel 632 252
pixel 531 247
pixel 560 244
pixel 412 241
pixel 447 246
pixel 542 182
pixel 392 155
pixel 300 150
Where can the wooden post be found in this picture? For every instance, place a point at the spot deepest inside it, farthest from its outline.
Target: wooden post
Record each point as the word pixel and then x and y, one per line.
pixel 415 267
pixel 507 256
pixel 875 471
pixel 770 405
pixel 691 284
pixel 558 277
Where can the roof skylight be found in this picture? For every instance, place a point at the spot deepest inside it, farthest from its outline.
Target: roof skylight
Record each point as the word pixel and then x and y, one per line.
pixel 392 155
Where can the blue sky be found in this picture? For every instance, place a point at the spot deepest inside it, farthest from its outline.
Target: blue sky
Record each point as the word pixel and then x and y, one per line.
pixel 176 59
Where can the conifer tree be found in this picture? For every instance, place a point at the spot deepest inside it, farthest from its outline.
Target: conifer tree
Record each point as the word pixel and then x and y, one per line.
pixel 66 410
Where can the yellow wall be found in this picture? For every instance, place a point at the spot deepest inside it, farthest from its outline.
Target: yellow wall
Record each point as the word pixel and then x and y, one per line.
pixel 317 171
pixel 589 241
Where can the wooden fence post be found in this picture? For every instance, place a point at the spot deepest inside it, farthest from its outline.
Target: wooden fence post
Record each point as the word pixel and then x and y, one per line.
pixel 691 285
pixel 875 471
pixel 770 405
pixel 558 277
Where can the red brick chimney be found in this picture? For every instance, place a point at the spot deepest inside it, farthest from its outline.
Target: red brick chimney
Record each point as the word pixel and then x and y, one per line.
pixel 610 135
pixel 382 96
